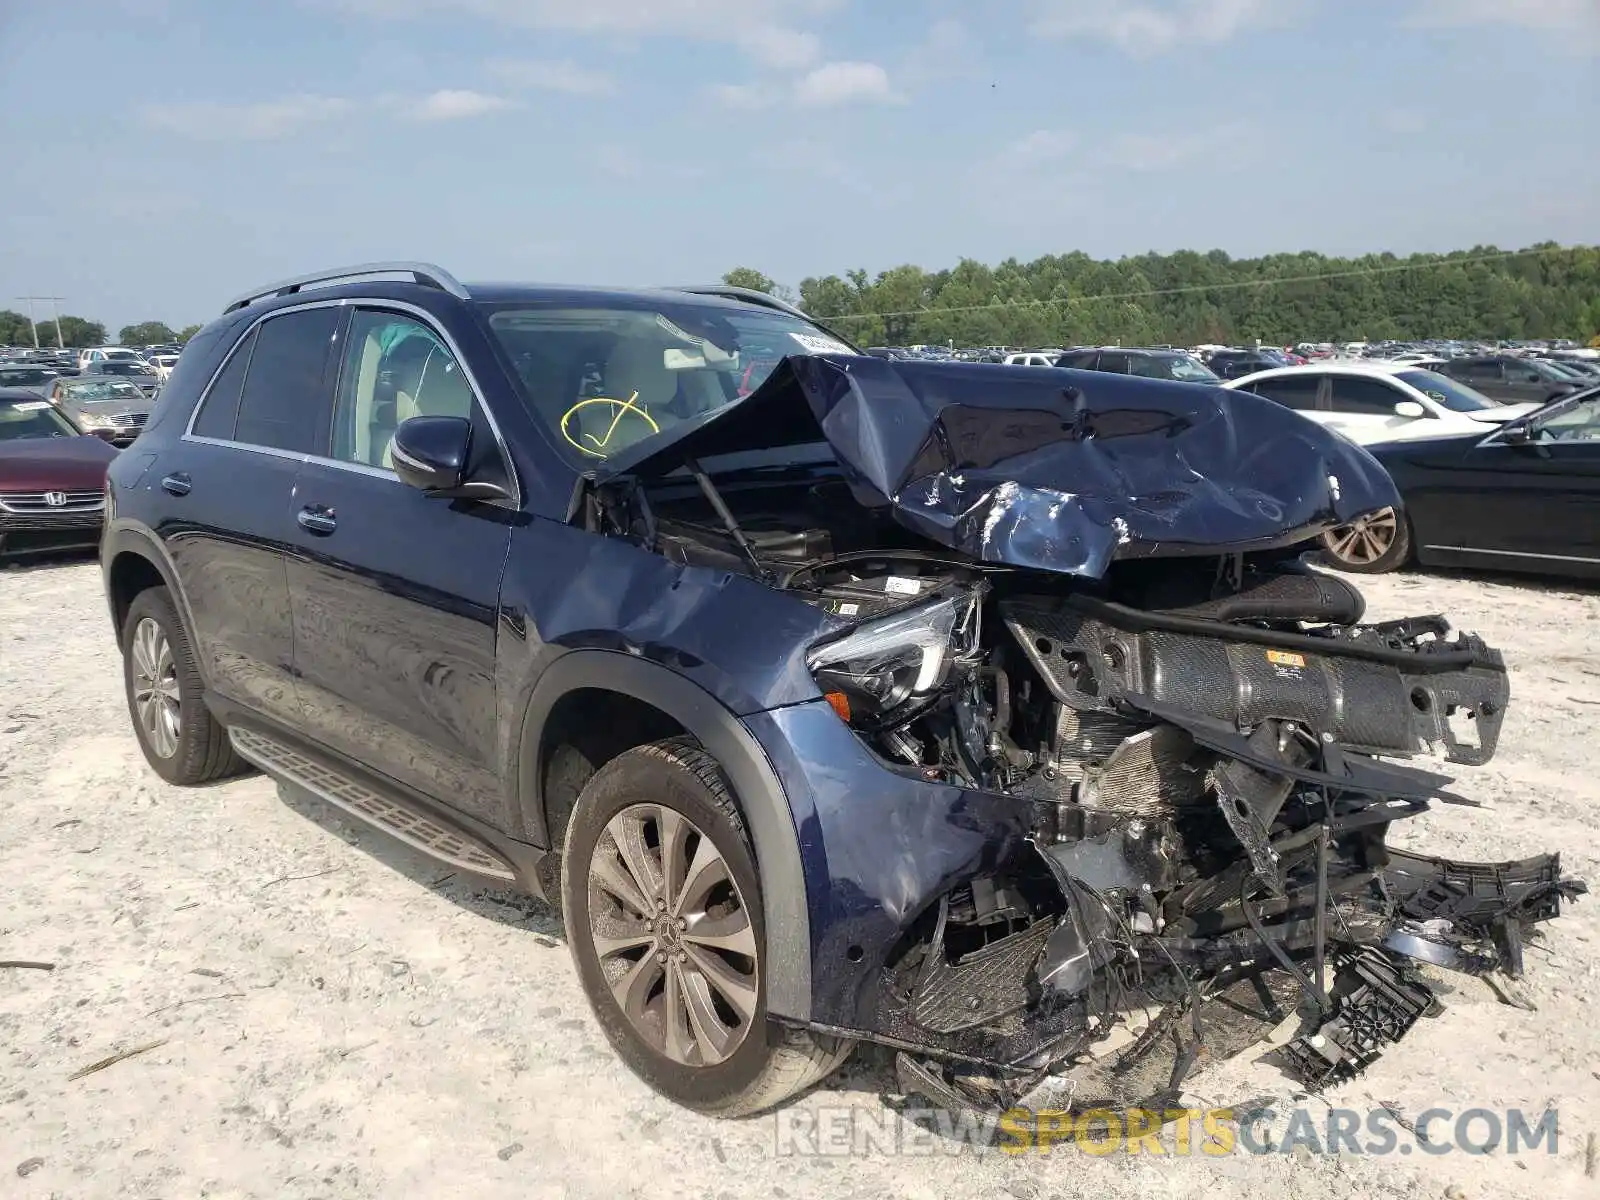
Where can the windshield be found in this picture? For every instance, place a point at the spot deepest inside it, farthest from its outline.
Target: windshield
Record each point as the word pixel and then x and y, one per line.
pixel 31 419
pixel 124 368
pixel 120 356
pixel 101 390
pixel 602 377
pixel 1192 370
pixel 1441 389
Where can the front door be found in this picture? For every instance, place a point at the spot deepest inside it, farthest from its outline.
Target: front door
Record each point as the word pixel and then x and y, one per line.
pixel 396 595
pixel 1362 408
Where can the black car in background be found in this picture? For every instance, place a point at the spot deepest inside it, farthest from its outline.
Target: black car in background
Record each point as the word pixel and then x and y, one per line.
pixel 1509 379
pixel 1236 364
pixel 1524 498
pixel 1177 365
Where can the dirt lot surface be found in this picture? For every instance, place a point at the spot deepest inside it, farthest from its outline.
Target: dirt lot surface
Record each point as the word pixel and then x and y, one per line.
pixel 322 1014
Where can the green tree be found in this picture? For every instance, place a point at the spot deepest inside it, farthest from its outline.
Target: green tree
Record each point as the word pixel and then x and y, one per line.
pixel 75 331
pixel 187 332
pixel 147 333
pixel 749 277
pixel 1190 296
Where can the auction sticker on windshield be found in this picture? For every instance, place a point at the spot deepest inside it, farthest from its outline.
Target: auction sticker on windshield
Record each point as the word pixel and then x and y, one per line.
pixel 813 344
pixel 30 405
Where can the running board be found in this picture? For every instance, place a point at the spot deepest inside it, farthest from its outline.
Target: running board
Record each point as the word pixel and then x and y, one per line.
pixel 411 826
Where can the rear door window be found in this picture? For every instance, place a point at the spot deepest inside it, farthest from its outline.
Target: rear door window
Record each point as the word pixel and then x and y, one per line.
pixel 1292 391
pixel 219 411
pixel 287 403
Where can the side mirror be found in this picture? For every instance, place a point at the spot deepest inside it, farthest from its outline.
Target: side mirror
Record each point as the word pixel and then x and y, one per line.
pixel 1410 408
pixel 1517 433
pixel 430 453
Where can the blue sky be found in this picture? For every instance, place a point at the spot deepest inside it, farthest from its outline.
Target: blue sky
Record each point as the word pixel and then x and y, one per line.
pixel 162 155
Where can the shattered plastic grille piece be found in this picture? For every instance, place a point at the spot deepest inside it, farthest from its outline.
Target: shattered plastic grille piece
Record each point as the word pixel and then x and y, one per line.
pixel 982 986
pixel 1374 1007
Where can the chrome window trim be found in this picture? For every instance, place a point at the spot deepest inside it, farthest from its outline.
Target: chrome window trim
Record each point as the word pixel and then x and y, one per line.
pixel 423 318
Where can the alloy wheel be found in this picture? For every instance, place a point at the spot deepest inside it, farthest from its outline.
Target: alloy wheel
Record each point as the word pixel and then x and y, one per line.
pixel 1365 540
pixel 673 935
pixel 155 688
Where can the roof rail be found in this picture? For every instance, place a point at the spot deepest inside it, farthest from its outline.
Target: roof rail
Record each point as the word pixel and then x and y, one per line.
pixel 424 273
pixel 749 295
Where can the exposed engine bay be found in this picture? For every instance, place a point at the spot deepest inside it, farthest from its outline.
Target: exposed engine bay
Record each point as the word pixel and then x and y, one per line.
pixel 1204 745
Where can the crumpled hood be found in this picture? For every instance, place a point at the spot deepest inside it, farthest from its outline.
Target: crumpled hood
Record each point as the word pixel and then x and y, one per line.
pixel 1056 470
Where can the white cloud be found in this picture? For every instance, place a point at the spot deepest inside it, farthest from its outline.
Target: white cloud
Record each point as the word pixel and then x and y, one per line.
pixel 742 95
pixel 1144 27
pixel 843 83
pixel 780 47
pixel 1576 21
pixel 1044 144
pixel 451 104
pixel 764 29
pixel 557 76
pixel 235 122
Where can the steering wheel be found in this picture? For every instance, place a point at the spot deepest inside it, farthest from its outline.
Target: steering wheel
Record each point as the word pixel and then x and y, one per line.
pixel 621 410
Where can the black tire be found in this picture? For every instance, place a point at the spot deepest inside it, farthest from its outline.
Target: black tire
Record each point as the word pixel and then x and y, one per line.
pixel 202 751
pixel 1351 547
pixel 772 1062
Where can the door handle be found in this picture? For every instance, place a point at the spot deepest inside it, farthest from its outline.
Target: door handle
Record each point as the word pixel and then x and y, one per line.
pixel 178 483
pixel 318 519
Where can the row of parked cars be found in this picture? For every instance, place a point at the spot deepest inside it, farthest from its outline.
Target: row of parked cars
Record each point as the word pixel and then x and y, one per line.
pixel 63 418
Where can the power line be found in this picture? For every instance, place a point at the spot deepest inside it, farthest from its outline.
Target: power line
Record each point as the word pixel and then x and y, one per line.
pixel 1235 285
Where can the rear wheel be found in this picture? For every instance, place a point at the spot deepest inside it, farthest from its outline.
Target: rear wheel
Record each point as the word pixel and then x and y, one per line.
pixel 1370 545
pixel 180 738
pixel 662 905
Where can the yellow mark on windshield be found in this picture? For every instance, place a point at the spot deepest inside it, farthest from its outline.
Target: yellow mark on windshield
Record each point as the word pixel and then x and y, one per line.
pixel 597 447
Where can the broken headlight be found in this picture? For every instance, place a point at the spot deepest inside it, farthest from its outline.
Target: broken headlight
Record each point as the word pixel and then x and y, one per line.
pixel 894 662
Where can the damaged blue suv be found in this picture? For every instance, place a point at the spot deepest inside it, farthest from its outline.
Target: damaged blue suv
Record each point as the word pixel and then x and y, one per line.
pixel 984 713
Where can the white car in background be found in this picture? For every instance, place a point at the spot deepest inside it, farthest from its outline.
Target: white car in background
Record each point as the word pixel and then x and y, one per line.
pixel 162 364
pixel 1372 402
pixel 99 354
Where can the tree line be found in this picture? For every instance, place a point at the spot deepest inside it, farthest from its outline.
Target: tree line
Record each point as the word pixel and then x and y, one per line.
pixel 1181 299
pixel 1190 298
pixel 77 332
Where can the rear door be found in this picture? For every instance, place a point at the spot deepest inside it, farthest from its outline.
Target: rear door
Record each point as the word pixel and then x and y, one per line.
pixel 229 484
pixel 395 595
pixel 1300 392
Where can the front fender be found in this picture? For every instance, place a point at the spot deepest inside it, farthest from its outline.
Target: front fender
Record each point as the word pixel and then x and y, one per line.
pixel 761 797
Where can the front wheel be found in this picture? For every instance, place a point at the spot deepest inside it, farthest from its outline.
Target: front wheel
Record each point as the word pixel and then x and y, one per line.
pixel 662 905
pixel 1370 545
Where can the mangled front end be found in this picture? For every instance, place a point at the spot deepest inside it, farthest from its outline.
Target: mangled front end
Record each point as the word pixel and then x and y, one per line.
pixel 1208 813
pixel 1146 757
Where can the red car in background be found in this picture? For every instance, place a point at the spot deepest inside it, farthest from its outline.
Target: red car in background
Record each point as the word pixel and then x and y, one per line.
pixel 52 478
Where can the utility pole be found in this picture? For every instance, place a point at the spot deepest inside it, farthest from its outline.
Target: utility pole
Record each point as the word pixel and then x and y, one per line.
pixel 32 324
pixel 55 303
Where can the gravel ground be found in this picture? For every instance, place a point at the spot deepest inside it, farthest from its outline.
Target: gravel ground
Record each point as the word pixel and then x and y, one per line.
pixel 322 1014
